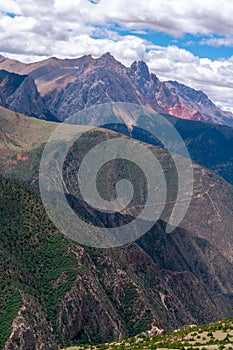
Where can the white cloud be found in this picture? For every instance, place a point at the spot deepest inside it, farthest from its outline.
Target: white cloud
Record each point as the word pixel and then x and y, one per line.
pixel 10 6
pixel 215 78
pixel 218 41
pixel 175 17
pixel 73 28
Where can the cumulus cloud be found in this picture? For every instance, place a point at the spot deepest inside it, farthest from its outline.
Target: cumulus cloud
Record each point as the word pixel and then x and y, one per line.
pixel 42 28
pixel 9 6
pixel 173 17
pixel 218 41
pixel 214 77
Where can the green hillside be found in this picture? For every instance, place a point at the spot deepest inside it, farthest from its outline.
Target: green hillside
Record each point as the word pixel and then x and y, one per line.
pixel 33 256
pixel 217 335
pixel 56 293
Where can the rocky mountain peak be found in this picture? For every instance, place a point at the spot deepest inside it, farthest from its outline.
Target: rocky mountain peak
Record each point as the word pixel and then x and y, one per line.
pixel 201 107
pixel 19 93
pixel 87 81
pixel 175 86
pixel 140 69
pixel 9 82
pixel 2 58
pixel 107 58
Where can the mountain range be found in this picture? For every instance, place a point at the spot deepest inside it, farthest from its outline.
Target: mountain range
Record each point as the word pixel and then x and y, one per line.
pixel 55 292
pixel 58 293
pixel 55 89
pixel 69 85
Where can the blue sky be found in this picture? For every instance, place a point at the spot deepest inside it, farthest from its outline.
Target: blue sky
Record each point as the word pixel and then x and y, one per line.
pixel 191 42
pixel 199 45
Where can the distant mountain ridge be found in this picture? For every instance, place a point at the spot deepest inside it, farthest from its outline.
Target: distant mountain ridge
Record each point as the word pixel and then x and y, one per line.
pixel 56 293
pixel 69 85
pixel 19 93
pixel 201 107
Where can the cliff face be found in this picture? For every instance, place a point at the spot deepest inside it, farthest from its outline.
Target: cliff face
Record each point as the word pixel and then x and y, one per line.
pixel 55 292
pixel 19 93
pixel 92 82
pixel 71 85
pixel 68 294
pixel 71 294
pixel 30 329
pixel 195 105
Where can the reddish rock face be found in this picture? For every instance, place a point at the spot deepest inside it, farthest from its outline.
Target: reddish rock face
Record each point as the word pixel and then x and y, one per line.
pixel 69 85
pixel 161 280
pixel 195 105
